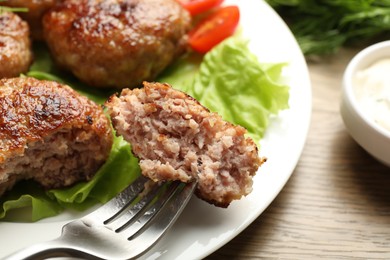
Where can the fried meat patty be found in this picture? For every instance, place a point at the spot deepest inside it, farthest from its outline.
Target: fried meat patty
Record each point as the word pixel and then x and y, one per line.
pixel 49 133
pixel 176 138
pixel 36 9
pixel 15 46
pixel 116 43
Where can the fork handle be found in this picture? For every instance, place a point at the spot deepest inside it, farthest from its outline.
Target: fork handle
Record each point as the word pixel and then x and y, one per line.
pixel 53 248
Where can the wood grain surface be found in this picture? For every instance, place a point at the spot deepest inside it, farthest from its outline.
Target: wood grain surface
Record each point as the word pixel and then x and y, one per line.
pixel 336 205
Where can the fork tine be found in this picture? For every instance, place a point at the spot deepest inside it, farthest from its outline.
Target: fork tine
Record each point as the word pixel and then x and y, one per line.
pixel 149 234
pixel 117 204
pixel 142 212
pixel 89 239
pixel 134 211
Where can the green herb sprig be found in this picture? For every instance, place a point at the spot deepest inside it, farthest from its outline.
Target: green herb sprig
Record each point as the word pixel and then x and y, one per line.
pixel 11 9
pixel 323 26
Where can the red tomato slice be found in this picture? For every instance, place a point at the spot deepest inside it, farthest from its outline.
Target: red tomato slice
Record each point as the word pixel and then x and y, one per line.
pixel 195 7
pixel 214 29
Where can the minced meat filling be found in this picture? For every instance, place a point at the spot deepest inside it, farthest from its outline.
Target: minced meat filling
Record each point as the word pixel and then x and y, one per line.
pixel 176 138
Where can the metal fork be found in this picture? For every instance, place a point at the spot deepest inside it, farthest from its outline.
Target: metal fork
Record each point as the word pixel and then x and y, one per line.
pixel 124 228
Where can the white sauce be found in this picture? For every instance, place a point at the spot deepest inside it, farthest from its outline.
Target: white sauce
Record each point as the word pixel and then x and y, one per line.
pixel 372 90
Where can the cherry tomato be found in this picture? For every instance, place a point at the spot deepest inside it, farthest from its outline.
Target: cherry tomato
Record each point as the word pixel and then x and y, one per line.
pixel 214 29
pixel 195 7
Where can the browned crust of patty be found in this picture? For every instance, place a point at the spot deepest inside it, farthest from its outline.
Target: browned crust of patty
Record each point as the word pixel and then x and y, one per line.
pixel 116 43
pixel 36 117
pixel 176 138
pixel 36 9
pixel 15 46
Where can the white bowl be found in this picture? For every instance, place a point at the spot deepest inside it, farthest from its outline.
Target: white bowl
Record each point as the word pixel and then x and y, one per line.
pixel 370 135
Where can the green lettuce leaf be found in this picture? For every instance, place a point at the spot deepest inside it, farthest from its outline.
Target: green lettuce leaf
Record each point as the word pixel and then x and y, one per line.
pixel 228 80
pixel 27 202
pixel 118 172
pixel 232 82
pixel 182 73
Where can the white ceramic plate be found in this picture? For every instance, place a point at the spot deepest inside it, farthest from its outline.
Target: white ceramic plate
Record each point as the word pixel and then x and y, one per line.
pixel 203 228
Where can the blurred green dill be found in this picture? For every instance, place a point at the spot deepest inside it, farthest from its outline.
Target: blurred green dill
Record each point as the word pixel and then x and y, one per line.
pixel 323 26
pixel 11 9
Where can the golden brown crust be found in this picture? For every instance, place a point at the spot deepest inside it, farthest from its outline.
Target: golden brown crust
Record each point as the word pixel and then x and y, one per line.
pixel 49 133
pixel 36 9
pixel 31 109
pixel 116 43
pixel 15 45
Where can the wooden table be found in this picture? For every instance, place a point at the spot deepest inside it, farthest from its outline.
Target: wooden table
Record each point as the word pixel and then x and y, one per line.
pixel 336 205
